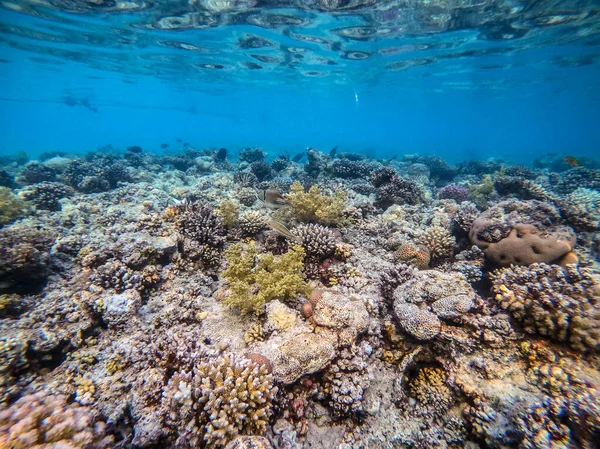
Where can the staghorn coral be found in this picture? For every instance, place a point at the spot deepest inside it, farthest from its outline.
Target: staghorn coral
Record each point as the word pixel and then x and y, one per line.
pixel 522 233
pixel 219 400
pixel 45 195
pixel 410 254
pixel 228 212
pixel 318 241
pixel 252 222
pixel 313 206
pixel 46 421
pixel 253 280
pixel 11 206
pixel 438 240
pixel 560 303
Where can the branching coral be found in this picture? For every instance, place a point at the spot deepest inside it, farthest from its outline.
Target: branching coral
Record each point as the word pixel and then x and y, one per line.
pixel 438 240
pixel 562 304
pixel 429 388
pixel 252 222
pixel 313 206
pixel 219 400
pixel 45 195
pixel 254 280
pixel 318 241
pixel 46 421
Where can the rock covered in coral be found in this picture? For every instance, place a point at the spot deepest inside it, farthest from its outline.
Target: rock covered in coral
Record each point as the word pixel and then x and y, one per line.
pixel 11 206
pixel 581 209
pixel 429 296
pixel 466 214
pixel 24 257
pixel 430 391
pixel 35 172
pixel 346 315
pixel 522 233
pixel 221 399
pixel 559 303
pixel 45 195
pixel 249 442
pixel 347 379
pixel 46 421
pixel 346 168
pixel 251 155
pixel 318 241
pixel 394 189
pixel 198 222
pixel 454 192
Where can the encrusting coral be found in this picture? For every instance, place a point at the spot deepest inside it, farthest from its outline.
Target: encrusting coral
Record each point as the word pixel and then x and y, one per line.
pixel 561 303
pixel 219 400
pixel 313 206
pixel 253 280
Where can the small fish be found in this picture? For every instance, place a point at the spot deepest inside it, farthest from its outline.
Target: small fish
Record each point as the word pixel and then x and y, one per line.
pixel 333 151
pixel 186 144
pixel 298 157
pixel 272 198
pixel 570 160
pixel 164 145
pixel 134 149
pixel 179 140
pixel 280 228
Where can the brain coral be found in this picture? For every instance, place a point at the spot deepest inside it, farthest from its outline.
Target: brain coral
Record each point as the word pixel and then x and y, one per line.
pixel 522 233
pixel 562 304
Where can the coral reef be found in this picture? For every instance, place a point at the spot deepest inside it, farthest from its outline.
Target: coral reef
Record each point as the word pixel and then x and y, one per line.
pixel 11 206
pixel 454 192
pixel 556 302
pixel 45 195
pixel 252 222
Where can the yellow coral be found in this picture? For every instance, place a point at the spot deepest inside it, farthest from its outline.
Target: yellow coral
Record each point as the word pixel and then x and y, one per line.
pixel 312 206
pixel 228 212
pixel 254 280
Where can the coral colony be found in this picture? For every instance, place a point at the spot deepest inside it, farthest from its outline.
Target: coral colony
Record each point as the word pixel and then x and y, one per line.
pixel 329 301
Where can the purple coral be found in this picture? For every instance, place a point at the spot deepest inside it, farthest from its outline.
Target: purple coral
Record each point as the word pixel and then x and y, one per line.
pixel 454 192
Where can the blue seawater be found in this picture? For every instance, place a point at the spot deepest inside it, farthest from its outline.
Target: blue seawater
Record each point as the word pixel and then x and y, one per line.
pixel 461 80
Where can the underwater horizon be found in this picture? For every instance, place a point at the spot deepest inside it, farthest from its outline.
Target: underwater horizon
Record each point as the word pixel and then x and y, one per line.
pixel 299 224
pixel 462 81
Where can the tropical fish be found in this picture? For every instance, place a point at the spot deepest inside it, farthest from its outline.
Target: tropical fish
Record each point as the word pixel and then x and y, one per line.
pixel 134 149
pixel 280 228
pixel 573 162
pixel 298 157
pixel 333 151
pixel 164 145
pixel 186 144
pixel 272 198
pixel 179 140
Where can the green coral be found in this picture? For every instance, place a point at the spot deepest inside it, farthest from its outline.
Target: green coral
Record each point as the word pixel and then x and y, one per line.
pixel 229 212
pixel 254 279
pixel 312 206
pixel 11 206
